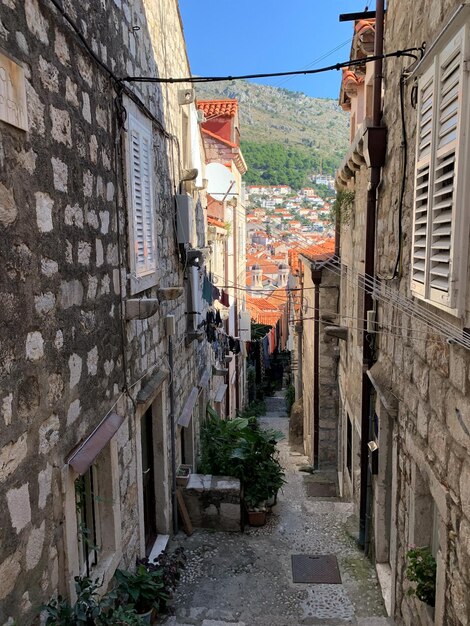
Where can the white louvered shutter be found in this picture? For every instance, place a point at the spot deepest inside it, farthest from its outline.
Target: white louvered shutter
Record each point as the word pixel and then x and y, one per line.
pixel 439 208
pixel 425 132
pixel 443 218
pixel 141 196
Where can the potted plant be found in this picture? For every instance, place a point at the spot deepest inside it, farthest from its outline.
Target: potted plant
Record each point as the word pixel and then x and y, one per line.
pixel 170 565
pixel 182 475
pixel 241 448
pixel 90 609
pixel 143 589
pixel 421 569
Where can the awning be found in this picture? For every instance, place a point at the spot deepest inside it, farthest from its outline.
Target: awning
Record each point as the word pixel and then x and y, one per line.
pixel 185 416
pixel 82 458
pixel 220 393
pixel 381 381
pixel 204 381
pixel 152 386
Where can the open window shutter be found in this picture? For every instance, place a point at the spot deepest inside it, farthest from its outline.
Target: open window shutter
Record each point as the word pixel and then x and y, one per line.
pixel 140 169
pixel 444 210
pixel 425 132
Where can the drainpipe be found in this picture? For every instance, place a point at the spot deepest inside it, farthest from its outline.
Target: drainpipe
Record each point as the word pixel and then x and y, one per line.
pixel 174 503
pixel 316 277
pixel 376 155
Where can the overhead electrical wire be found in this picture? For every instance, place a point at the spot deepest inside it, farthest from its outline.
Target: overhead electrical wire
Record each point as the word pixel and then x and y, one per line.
pixel 317 60
pixel 282 300
pixel 407 52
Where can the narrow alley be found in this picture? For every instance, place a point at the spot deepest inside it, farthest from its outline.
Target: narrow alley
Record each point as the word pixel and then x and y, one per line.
pixel 246 579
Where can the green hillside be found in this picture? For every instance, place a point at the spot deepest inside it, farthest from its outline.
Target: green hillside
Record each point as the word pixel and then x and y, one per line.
pixel 285 135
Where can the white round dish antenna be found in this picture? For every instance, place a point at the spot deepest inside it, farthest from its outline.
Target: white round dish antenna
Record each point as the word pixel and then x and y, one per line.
pixel 220 182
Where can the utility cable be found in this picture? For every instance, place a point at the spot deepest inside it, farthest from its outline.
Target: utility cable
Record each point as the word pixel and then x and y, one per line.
pixel 408 52
pixel 317 60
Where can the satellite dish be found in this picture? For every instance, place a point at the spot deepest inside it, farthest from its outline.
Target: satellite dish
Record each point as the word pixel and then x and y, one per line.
pixel 221 182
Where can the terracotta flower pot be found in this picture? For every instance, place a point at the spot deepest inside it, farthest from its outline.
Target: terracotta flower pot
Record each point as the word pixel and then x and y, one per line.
pixel 256 518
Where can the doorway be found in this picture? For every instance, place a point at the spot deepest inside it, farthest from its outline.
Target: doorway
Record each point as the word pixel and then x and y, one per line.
pixel 148 480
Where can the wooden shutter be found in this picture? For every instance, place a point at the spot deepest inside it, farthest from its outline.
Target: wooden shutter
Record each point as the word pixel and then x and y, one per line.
pixel 439 210
pixel 422 179
pixel 444 210
pixel 141 195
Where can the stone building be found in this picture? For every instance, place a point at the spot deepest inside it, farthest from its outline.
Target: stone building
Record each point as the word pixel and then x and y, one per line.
pixel 102 378
pixel 405 303
pixel 226 217
pixel 316 353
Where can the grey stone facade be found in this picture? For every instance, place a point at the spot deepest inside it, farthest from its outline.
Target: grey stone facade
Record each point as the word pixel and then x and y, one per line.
pixel 317 374
pixel 67 356
pixel 420 492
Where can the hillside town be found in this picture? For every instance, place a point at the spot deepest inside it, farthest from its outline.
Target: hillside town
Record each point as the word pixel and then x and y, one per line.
pixel 225 403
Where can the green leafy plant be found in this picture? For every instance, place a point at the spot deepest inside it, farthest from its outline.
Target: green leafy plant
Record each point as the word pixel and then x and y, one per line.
pixel 90 609
pixel 342 208
pixel 290 397
pixel 421 569
pixel 143 589
pixel 241 448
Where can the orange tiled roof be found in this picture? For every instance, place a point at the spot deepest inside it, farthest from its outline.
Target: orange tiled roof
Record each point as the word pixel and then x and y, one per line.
pixel 214 108
pixel 315 252
pixel 213 221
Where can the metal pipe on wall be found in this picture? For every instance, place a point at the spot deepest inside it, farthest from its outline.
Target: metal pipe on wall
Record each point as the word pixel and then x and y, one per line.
pixel 316 278
pixel 369 270
pixel 174 503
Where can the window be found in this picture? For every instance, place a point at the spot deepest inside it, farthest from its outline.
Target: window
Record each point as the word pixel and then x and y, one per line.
pixel 87 521
pixel 141 199
pixel 93 518
pixel 439 245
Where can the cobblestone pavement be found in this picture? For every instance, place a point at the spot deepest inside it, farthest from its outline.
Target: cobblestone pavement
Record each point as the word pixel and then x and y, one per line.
pixel 245 579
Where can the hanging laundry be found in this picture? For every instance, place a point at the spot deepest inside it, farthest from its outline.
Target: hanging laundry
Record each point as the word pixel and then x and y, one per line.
pixel 218 319
pixel 215 293
pixel 224 299
pixel 207 290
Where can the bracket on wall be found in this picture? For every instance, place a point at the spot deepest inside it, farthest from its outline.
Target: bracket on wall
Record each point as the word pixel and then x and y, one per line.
pixel 340 332
pixel 194 335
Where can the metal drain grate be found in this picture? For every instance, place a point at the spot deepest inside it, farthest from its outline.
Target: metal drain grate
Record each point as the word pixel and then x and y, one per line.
pixel 321 490
pixel 308 568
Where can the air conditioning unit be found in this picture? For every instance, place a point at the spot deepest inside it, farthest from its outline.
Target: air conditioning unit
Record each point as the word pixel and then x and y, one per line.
pixel 184 219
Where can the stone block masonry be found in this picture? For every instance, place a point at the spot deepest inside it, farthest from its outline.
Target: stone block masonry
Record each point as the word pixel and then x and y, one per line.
pixel 65 356
pixel 213 502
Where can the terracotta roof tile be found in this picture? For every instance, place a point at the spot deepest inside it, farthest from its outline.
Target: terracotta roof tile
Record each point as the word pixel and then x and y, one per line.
pixel 315 252
pixel 214 108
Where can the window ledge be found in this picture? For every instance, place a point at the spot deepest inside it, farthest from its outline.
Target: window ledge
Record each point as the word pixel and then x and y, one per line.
pixel 105 569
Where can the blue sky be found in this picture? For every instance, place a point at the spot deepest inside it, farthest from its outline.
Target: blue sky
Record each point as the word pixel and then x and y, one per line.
pixel 258 36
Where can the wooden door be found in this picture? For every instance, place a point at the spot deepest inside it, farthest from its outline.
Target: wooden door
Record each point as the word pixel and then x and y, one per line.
pixel 148 481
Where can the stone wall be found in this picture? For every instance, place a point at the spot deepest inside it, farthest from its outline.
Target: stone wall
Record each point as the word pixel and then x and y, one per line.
pixel 213 502
pixel 66 358
pixel 328 365
pixel 329 357
pixel 427 377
